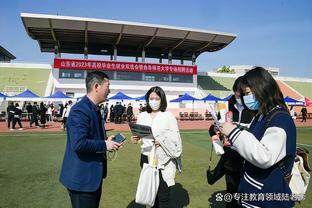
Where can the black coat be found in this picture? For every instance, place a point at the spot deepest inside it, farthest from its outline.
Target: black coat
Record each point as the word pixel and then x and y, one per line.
pixel 10 110
pixel 230 163
pixel 118 109
pixel 304 111
pixel 29 108
pixel 18 112
pixel 130 111
pixel 43 111
pixel 34 110
pixel 105 110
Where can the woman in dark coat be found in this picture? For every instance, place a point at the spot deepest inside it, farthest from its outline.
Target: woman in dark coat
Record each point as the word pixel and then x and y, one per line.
pixel 43 116
pixel 231 163
pixel 269 145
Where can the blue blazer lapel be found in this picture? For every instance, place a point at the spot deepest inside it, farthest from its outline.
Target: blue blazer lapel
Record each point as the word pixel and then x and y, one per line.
pixel 95 119
pixel 97 124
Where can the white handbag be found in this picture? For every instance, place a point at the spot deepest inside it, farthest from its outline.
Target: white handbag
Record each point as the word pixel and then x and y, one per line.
pixel 299 181
pixel 148 182
pixel 218 146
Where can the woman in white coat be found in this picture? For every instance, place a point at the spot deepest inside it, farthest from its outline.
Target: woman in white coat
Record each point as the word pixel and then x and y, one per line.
pixel 167 139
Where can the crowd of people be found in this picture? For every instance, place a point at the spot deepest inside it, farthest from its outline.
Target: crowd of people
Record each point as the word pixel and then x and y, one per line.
pixel 257 140
pixel 40 115
pixel 259 143
pixel 118 113
pixel 37 115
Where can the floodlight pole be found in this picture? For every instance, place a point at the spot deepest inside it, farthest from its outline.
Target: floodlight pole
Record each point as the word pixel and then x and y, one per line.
pixel 115 53
pixel 143 55
pixel 193 109
pixel 193 59
pixel 85 53
pixel 170 57
pixel 57 52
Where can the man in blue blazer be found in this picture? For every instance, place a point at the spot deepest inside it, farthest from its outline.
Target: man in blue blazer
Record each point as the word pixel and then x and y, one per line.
pixel 84 165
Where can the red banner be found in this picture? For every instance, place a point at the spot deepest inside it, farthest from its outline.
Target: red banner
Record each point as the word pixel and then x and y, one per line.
pixel 78 64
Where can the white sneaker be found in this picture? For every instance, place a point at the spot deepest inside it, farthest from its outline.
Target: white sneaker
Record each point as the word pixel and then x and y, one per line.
pixel 20 129
pixel 11 129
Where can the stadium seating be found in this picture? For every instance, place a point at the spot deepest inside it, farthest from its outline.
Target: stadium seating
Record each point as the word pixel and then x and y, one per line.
pixel 302 87
pixel 17 79
pixel 210 83
pixel 218 86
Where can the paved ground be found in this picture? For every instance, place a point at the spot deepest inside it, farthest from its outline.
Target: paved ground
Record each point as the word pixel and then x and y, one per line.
pixel 56 126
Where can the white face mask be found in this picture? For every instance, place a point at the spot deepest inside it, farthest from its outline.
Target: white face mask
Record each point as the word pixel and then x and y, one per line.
pixel 155 104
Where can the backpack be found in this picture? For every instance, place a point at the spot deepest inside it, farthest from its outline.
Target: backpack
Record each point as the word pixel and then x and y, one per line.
pixel 299 177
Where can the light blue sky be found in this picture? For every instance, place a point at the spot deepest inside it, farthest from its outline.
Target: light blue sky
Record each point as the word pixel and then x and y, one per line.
pixel 274 33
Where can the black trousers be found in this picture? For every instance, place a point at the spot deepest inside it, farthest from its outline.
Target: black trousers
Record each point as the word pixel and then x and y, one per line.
pixel 10 120
pixel 232 182
pixel 105 117
pixel 163 194
pixel 17 120
pixel 118 119
pixel 34 119
pixel 85 199
pixel 304 119
pixel 129 118
pixel 64 122
pixel 111 117
pixel 28 116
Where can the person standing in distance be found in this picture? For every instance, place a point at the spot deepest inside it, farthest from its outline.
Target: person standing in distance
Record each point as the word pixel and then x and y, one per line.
pixel 304 113
pixel 10 113
pixel 129 112
pixel 85 165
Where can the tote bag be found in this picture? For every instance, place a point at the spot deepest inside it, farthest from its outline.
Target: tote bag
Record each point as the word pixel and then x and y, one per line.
pixel 299 179
pixel 148 181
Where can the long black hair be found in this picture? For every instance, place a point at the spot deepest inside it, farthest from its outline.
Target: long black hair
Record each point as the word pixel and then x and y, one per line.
pixel 163 101
pixel 237 86
pixel 265 89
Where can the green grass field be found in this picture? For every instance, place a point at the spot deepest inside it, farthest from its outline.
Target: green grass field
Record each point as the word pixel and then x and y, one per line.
pixel 30 166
